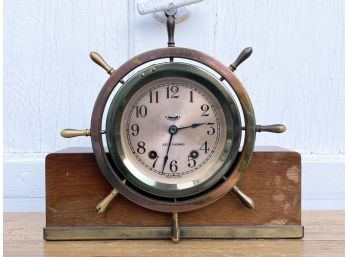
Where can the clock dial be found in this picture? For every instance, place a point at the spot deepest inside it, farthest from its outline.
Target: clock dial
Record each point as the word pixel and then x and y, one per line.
pixel 173 131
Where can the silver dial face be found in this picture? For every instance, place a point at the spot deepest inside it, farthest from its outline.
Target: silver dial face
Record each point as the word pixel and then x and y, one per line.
pixel 173 133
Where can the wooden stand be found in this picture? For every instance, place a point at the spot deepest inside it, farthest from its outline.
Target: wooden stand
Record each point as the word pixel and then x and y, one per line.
pixel 74 187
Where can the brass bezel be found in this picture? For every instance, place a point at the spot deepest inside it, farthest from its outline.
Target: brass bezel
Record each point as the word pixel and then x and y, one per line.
pixel 191 74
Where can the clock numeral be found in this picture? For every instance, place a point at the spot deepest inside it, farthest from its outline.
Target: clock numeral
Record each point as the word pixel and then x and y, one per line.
pixel 174 90
pixel 211 131
pixel 191 96
pixel 205 109
pixel 140 111
pixel 152 98
pixel 141 147
pixel 191 162
pixel 204 147
pixel 154 163
pixel 173 166
pixel 135 129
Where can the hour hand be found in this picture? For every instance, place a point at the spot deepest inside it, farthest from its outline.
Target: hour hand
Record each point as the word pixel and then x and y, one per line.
pixel 193 125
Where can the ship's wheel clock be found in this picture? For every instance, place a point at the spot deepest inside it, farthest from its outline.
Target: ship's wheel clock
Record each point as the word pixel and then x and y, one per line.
pixel 173 129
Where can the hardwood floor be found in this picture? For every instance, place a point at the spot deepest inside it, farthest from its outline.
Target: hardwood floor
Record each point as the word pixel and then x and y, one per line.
pixel 324 236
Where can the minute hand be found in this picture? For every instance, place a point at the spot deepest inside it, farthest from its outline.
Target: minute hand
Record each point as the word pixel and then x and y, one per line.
pixel 194 125
pixel 166 157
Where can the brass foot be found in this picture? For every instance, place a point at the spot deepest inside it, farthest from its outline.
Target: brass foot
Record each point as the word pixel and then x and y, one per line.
pixel 101 207
pixel 175 228
pixel 245 200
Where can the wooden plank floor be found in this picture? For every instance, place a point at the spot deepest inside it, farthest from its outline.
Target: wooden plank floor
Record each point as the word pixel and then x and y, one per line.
pixel 324 236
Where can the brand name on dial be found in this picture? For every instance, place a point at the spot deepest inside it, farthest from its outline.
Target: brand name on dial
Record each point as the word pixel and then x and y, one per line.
pixel 174 144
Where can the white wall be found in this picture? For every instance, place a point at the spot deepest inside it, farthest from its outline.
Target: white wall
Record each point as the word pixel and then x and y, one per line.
pixel 295 76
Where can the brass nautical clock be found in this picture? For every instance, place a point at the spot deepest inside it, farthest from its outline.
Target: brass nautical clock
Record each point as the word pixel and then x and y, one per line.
pixel 173 129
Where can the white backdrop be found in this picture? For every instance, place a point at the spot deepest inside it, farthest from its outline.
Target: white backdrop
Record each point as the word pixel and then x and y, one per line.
pixel 295 77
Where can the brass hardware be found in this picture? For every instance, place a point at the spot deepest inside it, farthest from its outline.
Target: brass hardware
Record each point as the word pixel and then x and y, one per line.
pixel 101 62
pixel 101 207
pixel 170 30
pixel 245 54
pixel 67 133
pixel 175 228
pixel 245 200
pixel 276 128
pixel 194 232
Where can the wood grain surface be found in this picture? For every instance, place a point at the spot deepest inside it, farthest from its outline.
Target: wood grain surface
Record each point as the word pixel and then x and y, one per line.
pixel 324 237
pixel 74 187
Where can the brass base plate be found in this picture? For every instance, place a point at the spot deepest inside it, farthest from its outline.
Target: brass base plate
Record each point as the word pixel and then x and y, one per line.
pixel 194 232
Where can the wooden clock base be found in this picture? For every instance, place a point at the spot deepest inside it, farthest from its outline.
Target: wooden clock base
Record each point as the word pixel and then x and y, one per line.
pixel 74 187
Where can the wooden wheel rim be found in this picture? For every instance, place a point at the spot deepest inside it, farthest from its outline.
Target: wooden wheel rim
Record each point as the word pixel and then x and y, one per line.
pixel 106 167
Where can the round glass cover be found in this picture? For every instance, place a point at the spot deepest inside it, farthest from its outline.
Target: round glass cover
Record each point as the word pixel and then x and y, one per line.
pixel 173 130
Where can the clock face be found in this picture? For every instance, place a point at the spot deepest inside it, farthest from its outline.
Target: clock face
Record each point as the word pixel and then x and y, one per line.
pixel 173 131
pixel 174 134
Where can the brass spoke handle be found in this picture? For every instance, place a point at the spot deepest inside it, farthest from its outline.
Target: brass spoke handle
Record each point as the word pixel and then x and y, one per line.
pixel 276 128
pixel 170 30
pixel 67 133
pixel 101 207
pixel 175 228
pixel 245 200
pixel 245 54
pixel 101 62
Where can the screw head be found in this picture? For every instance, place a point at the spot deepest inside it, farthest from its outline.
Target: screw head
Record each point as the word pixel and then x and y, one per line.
pixel 194 154
pixel 152 155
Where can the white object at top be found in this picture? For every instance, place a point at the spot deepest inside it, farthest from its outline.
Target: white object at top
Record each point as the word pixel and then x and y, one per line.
pixel 152 6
